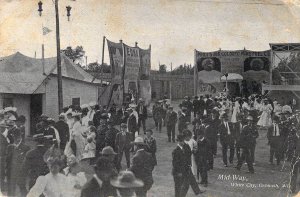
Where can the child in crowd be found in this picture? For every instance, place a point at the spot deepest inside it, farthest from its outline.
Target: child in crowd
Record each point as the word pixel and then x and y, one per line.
pixel 90 148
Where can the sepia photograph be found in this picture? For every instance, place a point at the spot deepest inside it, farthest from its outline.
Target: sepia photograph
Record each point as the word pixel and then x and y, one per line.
pixel 149 98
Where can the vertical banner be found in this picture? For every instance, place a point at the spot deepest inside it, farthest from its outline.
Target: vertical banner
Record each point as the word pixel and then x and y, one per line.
pixel 131 71
pixel 145 86
pixel 117 66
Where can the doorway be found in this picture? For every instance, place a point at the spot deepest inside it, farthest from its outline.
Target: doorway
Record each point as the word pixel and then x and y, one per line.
pixel 36 110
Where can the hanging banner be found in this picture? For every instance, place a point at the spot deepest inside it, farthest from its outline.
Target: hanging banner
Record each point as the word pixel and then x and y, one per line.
pixel 117 66
pixel 145 57
pixel 239 61
pixel 145 91
pixel 116 61
pixel 131 70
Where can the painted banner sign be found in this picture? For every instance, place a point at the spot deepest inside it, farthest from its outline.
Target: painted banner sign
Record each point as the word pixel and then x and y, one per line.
pixel 145 64
pixel 116 61
pixel 117 66
pixel 240 62
pixel 131 69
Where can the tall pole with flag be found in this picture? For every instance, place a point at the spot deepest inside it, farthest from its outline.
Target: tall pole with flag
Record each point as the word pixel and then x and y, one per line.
pixel 46 30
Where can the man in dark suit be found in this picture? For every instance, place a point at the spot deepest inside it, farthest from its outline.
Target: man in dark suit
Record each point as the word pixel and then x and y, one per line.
pixel 63 131
pixel 276 140
pixel 99 185
pixel 142 166
pixel 215 122
pixel 123 145
pixel 247 141
pixel 201 106
pixel 34 164
pixel 196 106
pixel 226 138
pixel 182 120
pixel 181 171
pixel 179 165
pixel 97 115
pixel 142 113
pixel 171 119
pixel 210 136
pixel 15 156
pixel 122 115
pixel 110 136
pixel 203 153
pixel 3 151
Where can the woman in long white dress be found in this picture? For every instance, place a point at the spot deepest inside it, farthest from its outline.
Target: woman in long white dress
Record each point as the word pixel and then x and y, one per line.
pixel 265 119
pixel 75 179
pixel 76 134
pixel 52 184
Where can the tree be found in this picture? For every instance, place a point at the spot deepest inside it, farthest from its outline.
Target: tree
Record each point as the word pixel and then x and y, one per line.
pixel 183 69
pixel 96 67
pixel 162 68
pixel 76 54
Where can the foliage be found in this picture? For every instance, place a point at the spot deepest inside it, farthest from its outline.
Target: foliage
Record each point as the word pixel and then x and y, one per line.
pixel 96 67
pixel 76 54
pixel 183 69
pixel 162 68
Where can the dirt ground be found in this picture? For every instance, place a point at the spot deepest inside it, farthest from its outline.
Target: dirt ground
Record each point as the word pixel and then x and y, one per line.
pixel 267 181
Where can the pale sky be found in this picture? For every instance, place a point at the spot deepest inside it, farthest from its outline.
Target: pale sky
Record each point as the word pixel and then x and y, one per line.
pixel 174 28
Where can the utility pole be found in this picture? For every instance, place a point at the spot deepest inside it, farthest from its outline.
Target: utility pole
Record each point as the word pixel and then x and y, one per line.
pixel 59 75
pixel 171 84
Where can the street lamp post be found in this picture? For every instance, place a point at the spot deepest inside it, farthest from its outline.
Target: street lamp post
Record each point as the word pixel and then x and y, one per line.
pixel 59 75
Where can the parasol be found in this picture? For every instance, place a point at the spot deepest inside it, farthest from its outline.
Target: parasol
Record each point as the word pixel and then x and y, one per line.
pixel 232 77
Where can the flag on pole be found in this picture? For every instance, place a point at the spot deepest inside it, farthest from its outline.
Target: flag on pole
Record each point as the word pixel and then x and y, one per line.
pixel 46 30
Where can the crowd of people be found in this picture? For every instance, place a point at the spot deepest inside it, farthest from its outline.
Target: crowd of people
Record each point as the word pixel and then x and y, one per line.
pixel 88 137
pixel 236 123
pixel 95 137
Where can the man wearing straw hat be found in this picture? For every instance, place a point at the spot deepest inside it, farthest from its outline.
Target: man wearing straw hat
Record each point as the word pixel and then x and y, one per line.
pixel 142 166
pixel 126 184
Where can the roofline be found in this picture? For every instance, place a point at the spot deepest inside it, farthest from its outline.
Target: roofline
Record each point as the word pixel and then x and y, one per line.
pixel 96 84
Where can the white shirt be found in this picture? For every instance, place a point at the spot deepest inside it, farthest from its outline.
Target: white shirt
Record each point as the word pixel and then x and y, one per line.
pixel 50 185
pixel 227 126
pixel 276 130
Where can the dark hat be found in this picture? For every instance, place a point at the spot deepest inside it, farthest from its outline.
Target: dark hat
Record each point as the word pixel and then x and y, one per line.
pixel 104 164
pixel 180 138
pixel 108 150
pixel 126 179
pixel 21 118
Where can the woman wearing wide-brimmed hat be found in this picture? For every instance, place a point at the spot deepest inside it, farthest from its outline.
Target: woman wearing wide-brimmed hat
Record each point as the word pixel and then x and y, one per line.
pixel 52 184
pixel 126 183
